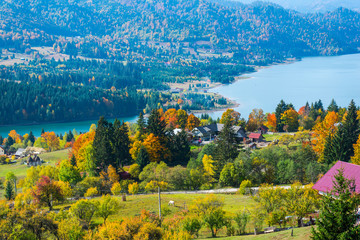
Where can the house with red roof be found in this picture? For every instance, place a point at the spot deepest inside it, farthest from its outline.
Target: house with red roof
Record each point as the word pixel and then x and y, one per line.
pixel 256 137
pixel 351 171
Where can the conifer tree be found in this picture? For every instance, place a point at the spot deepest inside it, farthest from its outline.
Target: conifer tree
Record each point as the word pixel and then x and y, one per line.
pixel 42 131
pixel 156 124
pixel 141 124
pixel 226 148
pixel 333 107
pixel 338 214
pixel 9 191
pixel 143 158
pixel 180 149
pixel 73 160
pixel 340 147
pixel 31 137
pixel 103 150
pixel 121 144
pixel 280 109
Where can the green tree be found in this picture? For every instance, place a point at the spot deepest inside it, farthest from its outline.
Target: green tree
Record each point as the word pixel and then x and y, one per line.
pixel 107 206
pixel 121 144
pixel 280 109
pixel 69 173
pixel 141 125
pixel 9 191
pixel 84 210
pixel 338 213
pixel 340 147
pixel 242 219
pixel 156 124
pixel 103 151
pixel 143 158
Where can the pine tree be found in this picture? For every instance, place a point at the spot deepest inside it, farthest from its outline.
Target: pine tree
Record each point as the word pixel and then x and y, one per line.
pixel 73 160
pixel 9 191
pixel 69 136
pixel 333 107
pixel 280 109
pixel 156 124
pixel 42 131
pixel 226 148
pixel 338 214
pixel 103 150
pixel 31 137
pixel 143 158
pixel 141 124
pixel 341 146
pixel 121 144
pixel 180 149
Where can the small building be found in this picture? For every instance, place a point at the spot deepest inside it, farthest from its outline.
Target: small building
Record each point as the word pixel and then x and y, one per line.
pixel 2 151
pixel 33 161
pixel 326 183
pixel 263 129
pixel 256 137
pixel 21 152
pixel 210 132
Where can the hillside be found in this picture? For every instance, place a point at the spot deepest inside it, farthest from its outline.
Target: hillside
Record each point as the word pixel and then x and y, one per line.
pixel 167 29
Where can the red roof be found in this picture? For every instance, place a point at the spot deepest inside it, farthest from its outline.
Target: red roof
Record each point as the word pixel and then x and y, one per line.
pixel 255 135
pixel 351 171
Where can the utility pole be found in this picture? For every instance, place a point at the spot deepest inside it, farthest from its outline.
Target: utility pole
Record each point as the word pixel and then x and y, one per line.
pixel 159 205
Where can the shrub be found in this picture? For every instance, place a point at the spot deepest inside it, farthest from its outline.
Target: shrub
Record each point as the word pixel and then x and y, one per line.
pixel 133 188
pixel 192 225
pixel 116 189
pixel 91 192
pixel 245 187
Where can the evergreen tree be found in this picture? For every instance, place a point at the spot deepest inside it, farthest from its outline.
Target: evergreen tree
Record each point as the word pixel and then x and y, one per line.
pixel 1 140
pixel 9 142
pixel 73 160
pixel 9 191
pixel 142 158
pixel 61 136
pixel 340 147
pixel 338 214
pixel 42 131
pixel 333 107
pixel 180 149
pixel 156 124
pixel 280 109
pixel 69 136
pixel 121 144
pixel 31 137
pixel 103 150
pixel 141 124
pixel 226 148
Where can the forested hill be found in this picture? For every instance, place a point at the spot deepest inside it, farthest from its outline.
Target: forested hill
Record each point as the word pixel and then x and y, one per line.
pixel 128 29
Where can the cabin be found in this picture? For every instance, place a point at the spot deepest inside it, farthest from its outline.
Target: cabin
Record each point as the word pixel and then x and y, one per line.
pixel 256 137
pixel 33 161
pixel 326 183
pixel 20 153
pixel 263 129
pixel 2 151
pixel 210 132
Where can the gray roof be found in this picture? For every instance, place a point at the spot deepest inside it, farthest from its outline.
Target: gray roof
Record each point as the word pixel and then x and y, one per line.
pixel 20 151
pixel 217 127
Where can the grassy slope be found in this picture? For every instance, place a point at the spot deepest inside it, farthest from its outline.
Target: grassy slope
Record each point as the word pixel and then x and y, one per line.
pixel 299 234
pixel 20 169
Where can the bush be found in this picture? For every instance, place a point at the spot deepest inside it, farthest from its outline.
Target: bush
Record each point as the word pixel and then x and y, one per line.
pixel 192 225
pixel 245 187
pixel 241 219
pixel 91 192
pixel 133 188
pixel 116 189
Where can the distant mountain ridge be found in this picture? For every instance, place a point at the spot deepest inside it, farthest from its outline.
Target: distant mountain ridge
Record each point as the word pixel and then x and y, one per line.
pixel 256 31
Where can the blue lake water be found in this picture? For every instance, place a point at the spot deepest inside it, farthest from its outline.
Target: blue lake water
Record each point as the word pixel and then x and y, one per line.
pixel 308 80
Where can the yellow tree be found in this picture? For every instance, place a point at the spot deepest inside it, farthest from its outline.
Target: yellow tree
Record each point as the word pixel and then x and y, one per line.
pixel 171 118
pixel 135 149
pixel 192 122
pixel 14 135
pixel 356 158
pixel 256 119
pixel 157 152
pixel 208 164
pixel 51 140
pixel 323 130
pixel 182 117
pixel 232 114
pixel 290 119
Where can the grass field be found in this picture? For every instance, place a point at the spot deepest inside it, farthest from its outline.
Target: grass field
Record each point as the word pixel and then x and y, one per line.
pixel 20 169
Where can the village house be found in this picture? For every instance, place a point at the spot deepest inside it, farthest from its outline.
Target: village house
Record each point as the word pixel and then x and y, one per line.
pixel 263 129
pixel 33 161
pixel 210 132
pixel 2 151
pixel 351 171
pixel 21 152
pixel 256 137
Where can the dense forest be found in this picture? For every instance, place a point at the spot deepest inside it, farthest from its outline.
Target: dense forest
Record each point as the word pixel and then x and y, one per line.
pixel 168 29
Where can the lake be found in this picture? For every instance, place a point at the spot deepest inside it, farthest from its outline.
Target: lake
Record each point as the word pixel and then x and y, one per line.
pixel 308 80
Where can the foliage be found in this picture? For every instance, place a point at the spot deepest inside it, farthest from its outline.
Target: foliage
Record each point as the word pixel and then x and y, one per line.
pixel 91 192
pixel 133 188
pixel 68 173
pixel 116 188
pixel 46 192
pixel 230 115
pixel 245 187
pixel 9 191
pixel 192 225
pixel 241 219
pixel 84 210
pixel 107 206
pixel 338 213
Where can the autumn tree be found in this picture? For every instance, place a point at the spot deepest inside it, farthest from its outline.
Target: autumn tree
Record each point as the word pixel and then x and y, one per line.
pixel 192 122
pixel 230 115
pixel 46 191
pixel 69 173
pixel 171 118
pixel 182 117
pixel 290 118
pixel 84 210
pixel 51 140
pixel 271 122
pixel 323 130
pixel 280 109
pixel 156 150
pixel 256 119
